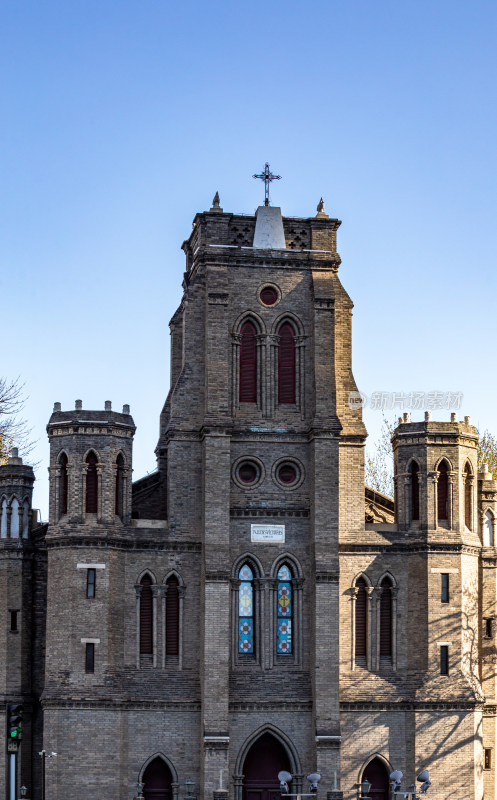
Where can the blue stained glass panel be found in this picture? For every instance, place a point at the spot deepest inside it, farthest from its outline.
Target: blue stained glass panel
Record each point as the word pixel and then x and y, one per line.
pixel 284 599
pixel 284 636
pixel 245 600
pixel 284 573
pixel 245 573
pixel 245 636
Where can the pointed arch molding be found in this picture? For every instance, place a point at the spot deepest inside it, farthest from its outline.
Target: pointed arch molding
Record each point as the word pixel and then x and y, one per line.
pixel 284 740
pixel 368 761
pixel 169 764
pixel 267 363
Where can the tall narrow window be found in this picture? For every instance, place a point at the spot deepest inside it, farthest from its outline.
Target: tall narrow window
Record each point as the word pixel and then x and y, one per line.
pixel 414 491
pixel 172 616
pixel 90 657
pixel 91 483
pixel 488 530
pixel 14 518
pixel 468 505
pixel 444 586
pixel 248 363
pixel 444 659
pixel 146 617
pixel 3 519
pixel 91 576
pixel 63 485
pixel 25 519
pixel 488 758
pixel 284 611
pixel 286 364
pixel 119 485
pixel 13 621
pixel 386 619
pixel 246 610
pixel 361 623
pixel 443 491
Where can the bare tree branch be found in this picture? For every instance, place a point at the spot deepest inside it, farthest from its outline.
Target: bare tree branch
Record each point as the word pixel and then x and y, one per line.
pixel 14 430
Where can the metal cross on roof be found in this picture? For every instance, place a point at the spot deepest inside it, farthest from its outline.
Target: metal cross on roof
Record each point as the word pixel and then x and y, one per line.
pixel 267 176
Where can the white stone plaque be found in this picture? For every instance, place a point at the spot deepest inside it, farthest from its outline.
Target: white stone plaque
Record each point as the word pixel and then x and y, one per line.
pixel 267 533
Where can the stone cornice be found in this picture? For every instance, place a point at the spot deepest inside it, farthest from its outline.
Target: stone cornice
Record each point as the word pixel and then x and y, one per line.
pixel 345 548
pixel 407 705
pixel 116 543
pixel 120 705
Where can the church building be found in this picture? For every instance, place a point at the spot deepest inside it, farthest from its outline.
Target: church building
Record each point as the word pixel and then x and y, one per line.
pixel 250 607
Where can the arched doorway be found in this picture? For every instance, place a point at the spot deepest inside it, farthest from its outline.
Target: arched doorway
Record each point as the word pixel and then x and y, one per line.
pixel 377 774
pixel 264 760
pixel 157 779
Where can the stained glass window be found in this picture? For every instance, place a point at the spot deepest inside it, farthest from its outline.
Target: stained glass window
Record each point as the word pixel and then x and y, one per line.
pixel 284 611
pixel 246 610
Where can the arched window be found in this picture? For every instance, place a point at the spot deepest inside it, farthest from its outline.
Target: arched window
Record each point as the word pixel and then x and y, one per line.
pixel 3 520
pixel 378 776
pixel 25 519
pixel 248 363
pixel 91 483
pixel 119 486
pixel 246 610
pixel 14 518
pixel 286 364
pixel 443 491
pixel 468 496
pixel 284 612
pixel 386 619
pixel 361 623
pixel 63 485
pixel 172 616
pixel 488 529
pixel 146 617
pixel 414 470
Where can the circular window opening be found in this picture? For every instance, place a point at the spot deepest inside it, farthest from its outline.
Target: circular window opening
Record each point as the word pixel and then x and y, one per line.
pixel 287 474
pixel 268 296
pixel 248 473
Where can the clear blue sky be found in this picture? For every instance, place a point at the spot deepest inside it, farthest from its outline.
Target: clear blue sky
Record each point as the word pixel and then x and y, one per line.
pixel 120 120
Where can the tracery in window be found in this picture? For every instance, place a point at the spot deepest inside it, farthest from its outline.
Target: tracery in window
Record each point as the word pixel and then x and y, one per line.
pixel 246 610
pixel 284 612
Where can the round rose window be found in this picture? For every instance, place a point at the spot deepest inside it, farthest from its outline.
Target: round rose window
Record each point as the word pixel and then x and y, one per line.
pixel 248 472
pixel 268 296
pixel 287 474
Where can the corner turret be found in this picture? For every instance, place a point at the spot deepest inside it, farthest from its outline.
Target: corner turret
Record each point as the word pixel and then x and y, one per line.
pixel 90 465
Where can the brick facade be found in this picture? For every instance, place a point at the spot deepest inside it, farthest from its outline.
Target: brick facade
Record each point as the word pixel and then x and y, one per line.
pixel 202 707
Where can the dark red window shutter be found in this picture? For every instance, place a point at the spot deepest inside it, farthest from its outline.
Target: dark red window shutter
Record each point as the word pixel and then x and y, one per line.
pixel 64 484
pixel 172 617
pixel 386 619
pixel 286 364
pixel 443 491
pixel 467 498
pixel 91 484
pixel 361 625
pixel 248 364
pixel 146 617
pixel 119 485
pixel 414 491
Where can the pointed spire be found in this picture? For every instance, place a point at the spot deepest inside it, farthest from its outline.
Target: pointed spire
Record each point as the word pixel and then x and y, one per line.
pixel 320 209
pixel 216 203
